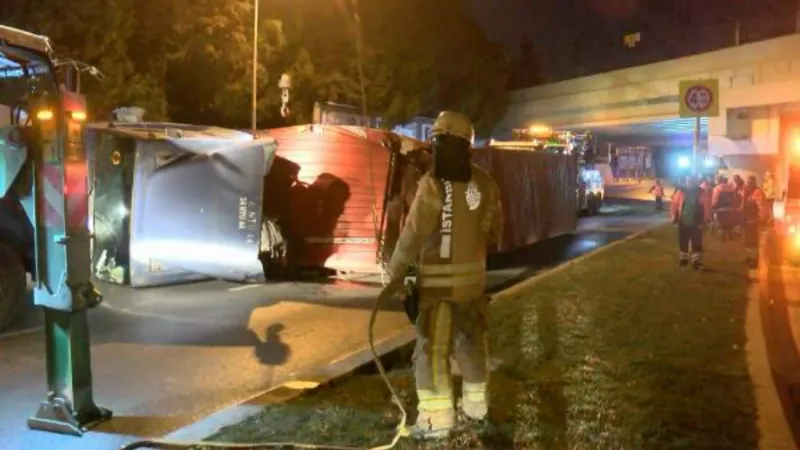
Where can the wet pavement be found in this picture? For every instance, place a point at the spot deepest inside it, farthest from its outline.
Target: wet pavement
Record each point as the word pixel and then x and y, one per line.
pixel 636 191
pixel 166 357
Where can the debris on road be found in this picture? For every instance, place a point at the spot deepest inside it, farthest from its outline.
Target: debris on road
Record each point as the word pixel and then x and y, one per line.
pixel 623 350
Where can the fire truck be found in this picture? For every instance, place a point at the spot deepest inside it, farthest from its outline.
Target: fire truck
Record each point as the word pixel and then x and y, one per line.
pixel 590 190
pixel 787 209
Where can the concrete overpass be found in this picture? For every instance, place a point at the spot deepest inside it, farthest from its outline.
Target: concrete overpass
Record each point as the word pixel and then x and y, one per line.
pixel 759 99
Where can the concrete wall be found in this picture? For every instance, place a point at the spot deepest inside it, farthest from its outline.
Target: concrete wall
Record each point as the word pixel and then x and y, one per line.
pixel 757 74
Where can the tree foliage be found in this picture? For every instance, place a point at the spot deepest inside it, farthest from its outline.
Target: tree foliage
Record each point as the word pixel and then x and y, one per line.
pixel 191 60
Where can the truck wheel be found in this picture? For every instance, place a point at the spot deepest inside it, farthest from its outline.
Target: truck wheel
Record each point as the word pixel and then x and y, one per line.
pixel 12 285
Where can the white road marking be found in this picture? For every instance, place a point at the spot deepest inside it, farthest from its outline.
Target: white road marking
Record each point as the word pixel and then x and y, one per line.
pixel 243 288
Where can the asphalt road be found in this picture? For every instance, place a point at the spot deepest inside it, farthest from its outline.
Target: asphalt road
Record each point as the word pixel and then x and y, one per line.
pixel 166 357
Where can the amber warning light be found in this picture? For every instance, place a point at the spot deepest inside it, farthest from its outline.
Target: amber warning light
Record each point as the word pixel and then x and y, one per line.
pixel 78 116
pixel 44 114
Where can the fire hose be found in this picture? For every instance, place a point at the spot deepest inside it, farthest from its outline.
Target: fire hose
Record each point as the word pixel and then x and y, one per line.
pixel 400 431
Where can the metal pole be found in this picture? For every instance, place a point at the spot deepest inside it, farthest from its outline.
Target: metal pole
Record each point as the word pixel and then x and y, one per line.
pixel 696 147
pixel 253 113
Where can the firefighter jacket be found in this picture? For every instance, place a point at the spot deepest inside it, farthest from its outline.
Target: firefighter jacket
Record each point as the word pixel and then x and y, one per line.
pixel 723 196
pixel 702 210
pixel 769 188
pixel 753 205
pixel 449 227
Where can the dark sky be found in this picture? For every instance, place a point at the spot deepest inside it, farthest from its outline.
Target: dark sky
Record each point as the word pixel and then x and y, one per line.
pixel 574 37
pixel 506 21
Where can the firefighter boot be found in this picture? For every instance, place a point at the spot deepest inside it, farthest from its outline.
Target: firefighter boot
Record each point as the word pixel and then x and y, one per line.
pixel 697 262
pixel 473 402
pixel 433 424
pixel 683 260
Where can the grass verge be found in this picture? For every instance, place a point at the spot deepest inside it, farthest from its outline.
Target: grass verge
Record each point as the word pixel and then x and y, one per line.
pixel 623 350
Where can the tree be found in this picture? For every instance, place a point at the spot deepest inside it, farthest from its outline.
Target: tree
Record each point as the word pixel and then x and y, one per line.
pixel 439 59
pixel 190 60
pixel 97 32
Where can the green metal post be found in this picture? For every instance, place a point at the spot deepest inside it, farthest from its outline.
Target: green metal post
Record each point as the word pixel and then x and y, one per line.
pixel 70 406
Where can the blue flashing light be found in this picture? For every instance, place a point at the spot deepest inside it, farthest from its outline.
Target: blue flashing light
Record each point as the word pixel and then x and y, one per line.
pixel 684 162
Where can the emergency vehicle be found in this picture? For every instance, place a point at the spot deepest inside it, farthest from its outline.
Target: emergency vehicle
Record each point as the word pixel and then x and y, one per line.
pixel 32 107
pixel 787 212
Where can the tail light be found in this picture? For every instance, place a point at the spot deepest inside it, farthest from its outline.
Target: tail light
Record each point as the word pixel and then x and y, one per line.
pixel 44 115
pixel 78 116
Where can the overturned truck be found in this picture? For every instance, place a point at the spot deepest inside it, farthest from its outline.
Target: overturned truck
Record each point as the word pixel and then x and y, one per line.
pixel 175 203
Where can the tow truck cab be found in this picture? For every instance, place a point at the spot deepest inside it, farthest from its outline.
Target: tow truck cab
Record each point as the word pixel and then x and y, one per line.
pixel 34 112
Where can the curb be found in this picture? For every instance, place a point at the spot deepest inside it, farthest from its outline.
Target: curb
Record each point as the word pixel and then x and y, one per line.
pixel 775 431
pixel 773 376
pixel 346 365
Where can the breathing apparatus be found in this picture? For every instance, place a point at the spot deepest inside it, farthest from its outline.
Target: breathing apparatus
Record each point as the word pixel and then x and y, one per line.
pixel 451 158
pixel 452 136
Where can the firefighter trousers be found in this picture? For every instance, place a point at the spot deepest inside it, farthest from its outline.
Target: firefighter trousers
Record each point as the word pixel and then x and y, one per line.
pixel 690 237
pixel 752 233
pixel 447 328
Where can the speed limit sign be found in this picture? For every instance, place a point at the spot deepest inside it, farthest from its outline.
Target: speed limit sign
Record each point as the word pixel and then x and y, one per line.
pixel 699 98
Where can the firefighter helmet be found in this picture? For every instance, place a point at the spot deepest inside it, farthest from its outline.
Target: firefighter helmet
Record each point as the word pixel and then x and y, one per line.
pixel 454 124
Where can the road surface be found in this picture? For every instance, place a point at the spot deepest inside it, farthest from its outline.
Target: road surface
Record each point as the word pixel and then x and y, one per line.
pixel 164 358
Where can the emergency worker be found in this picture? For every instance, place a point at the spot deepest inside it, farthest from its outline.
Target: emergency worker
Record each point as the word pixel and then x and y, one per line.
pixel 754 213
pixel 455 215
pixel 658 192
pixel 725 207
pixel 769 195
pixel 691 209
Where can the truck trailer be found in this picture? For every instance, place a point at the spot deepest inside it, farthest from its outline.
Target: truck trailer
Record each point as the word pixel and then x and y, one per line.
pixel 329 199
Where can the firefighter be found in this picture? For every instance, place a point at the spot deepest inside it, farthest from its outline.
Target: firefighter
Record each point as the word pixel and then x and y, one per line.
pixel 455 215
pixel 769 195
pixel 691 209
pixel 754 213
